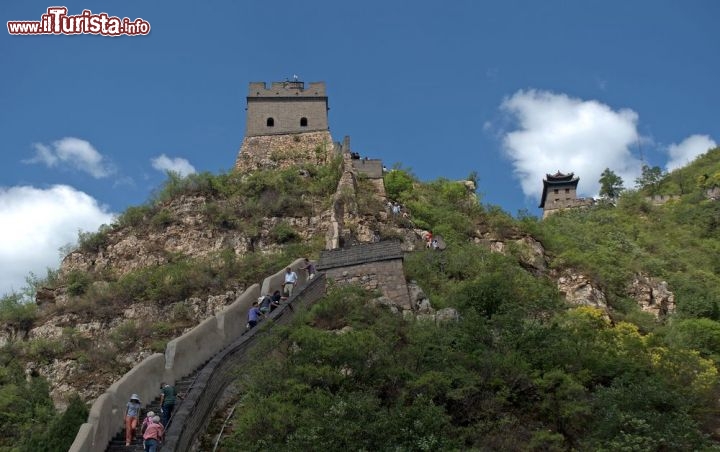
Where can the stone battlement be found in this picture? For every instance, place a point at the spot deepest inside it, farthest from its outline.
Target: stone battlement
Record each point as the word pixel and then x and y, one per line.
pixel 286 89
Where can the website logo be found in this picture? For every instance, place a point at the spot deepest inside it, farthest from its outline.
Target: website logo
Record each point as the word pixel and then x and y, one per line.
pixel 57 22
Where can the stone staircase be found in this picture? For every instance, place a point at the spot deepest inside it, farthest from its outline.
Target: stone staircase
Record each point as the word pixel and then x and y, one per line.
pixel 117 444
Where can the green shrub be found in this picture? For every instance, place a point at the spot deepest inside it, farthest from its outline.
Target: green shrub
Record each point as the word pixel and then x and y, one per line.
pixel 72 341
pixel 283 233
pixel 43 350
pixel 221 215
pixel 59 434
pixel 398 184
pixel 162 219
pixel 92 242
pixel 181 312
pixel 77 282
pixel 134 216
pixel 17 314
pixel 126 335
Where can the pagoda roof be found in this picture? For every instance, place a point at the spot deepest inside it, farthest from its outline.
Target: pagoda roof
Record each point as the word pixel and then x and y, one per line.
pixel 558 177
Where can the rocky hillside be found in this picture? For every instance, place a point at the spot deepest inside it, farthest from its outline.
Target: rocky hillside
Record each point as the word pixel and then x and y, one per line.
pixel 163 267
pixel 103 315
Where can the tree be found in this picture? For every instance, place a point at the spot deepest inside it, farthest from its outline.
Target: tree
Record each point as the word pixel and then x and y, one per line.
pixel 610 184
pixel 649 181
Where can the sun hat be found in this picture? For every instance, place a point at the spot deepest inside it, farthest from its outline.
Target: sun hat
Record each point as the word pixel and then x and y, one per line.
pixel 150 414
pixel 135 397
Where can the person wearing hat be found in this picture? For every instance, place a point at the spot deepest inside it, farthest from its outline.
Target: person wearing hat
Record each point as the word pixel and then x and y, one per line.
pixel 132 413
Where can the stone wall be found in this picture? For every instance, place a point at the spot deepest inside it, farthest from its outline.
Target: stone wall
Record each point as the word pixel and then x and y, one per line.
pixel 386 276
pixel 284 150
pixel 372 168
pixel 570 203
pixel 374 266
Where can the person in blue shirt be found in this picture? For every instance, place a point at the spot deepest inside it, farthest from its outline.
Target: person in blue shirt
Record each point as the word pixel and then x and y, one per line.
pixel 132 413
pixel 254 315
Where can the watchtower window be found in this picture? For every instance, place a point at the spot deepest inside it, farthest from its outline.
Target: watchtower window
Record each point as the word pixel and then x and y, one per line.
pixel 270 122
pixel 303 122
pixel 556 191
pixel 567 190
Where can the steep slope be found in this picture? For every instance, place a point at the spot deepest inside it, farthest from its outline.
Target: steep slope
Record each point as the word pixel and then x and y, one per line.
pixel 165 266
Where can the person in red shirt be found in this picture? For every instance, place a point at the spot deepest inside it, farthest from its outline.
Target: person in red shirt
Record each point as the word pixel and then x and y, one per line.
pixel 153 435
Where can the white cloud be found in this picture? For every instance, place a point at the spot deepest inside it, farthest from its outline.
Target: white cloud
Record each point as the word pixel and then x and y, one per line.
pixel 36 223
pixel 177 165
pixel 555 132
pixel 75 152
pixel 685 152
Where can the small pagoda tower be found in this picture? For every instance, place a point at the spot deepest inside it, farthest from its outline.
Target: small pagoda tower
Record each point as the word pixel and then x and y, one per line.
pixel 560 192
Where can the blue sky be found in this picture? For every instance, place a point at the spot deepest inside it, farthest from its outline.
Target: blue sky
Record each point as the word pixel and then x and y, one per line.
pixel 510 89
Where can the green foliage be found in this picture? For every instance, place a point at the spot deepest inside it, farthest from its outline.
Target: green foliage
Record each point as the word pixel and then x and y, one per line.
pixel 701 334
pixel 531 376
pixel 649 180
pixel 701 174
pixel 77 282
pixel 125 336
pixel 399 184
pixel 611 185
pixel 192 184
pixel 445 208
pixel 34 282
pixel 25 405
pixel 60 432
pixel 677 242
pixel 134 216
pixel 369 204
pixel 42 349
pixel 162 219
pixel 17 314
pixel 283 233
pixel 221 215
pixel 92 242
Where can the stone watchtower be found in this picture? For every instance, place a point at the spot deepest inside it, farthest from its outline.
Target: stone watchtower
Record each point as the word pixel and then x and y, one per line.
pixel 286 124
pixel 560 192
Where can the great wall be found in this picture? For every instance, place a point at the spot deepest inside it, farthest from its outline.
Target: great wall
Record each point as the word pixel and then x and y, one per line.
pixel 286 125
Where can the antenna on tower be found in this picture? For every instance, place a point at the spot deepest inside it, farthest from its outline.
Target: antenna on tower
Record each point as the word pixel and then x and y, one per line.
pixel 640 151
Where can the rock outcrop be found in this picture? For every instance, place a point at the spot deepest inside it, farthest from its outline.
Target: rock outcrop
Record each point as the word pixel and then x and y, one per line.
pixel 579 290
pixel 652 294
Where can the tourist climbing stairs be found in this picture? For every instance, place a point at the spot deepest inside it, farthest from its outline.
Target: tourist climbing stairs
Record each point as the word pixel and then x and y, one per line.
pixel 117 444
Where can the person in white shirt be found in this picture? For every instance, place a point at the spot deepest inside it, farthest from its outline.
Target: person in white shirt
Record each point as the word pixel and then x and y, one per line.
pixel 290 282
